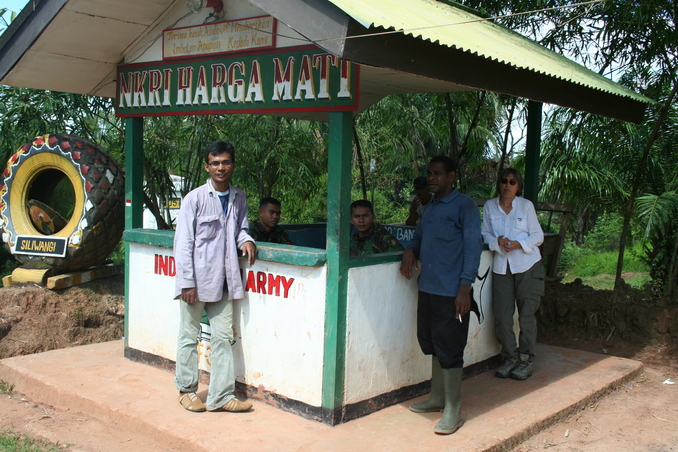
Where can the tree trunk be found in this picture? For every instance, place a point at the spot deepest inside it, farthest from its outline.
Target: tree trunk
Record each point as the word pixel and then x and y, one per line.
pixel 453 149
pixel 463 149
pixel 671 289
pixel 359 152
pixel 507 134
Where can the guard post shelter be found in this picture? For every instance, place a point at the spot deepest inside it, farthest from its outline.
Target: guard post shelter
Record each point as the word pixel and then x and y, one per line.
pixel 325 336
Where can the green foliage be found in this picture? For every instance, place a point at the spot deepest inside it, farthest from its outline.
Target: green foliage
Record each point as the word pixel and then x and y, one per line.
pixel 594 264
pixel 605 235
pixel 6 388
pixel 571 254
pixel 657 214
pixel 15 442
pixel 587 160
pixel 658 255
pixel 606 282
pixel 27 113
pixel 7 261
pixel 384 209
pixel 600 252
pixel 118 254
pixel 63 198
pixel 4 22
pixel 401 133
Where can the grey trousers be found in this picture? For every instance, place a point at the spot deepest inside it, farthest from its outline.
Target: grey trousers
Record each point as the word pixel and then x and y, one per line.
pixel 222 375
pixel 525 291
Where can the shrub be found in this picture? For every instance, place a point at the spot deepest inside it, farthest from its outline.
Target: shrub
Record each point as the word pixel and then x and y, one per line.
pixel 7 262
pixel 606 234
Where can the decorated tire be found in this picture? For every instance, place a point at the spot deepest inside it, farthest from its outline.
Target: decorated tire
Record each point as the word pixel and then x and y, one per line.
pixel 60 179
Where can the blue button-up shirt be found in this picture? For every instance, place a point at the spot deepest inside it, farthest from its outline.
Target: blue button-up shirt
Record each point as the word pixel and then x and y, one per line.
pixel 447 241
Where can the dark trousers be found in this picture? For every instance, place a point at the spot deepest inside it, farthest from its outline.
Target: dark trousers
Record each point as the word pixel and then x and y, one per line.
pixel 523 290
pixel 439 332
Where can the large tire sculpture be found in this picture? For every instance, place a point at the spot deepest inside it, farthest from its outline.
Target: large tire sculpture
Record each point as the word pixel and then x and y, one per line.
pixel 28 183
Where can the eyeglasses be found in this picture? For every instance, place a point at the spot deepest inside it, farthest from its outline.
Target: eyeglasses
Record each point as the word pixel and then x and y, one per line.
pixel 217 163
pixel 509 181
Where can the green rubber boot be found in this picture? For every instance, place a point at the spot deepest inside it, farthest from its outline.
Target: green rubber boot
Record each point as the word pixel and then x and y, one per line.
pixel 451 421
pixel 436 401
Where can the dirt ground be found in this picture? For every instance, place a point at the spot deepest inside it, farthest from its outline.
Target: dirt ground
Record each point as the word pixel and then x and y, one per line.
pixel 640 416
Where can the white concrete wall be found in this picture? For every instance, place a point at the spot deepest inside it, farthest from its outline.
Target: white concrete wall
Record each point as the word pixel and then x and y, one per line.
pixel 279 336
pixel 482 343
pixel 382 353
pixel 152 315
pixel 281 340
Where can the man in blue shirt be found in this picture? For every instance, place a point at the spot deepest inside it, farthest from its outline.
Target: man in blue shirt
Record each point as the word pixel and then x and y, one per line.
pixel 447 241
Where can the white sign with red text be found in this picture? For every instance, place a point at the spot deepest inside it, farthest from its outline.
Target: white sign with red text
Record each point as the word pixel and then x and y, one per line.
pixel 281 319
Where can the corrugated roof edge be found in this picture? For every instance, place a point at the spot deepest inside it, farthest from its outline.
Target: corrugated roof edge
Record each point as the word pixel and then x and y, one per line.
pixel 468 9
pixel 621 89
pixel 625 91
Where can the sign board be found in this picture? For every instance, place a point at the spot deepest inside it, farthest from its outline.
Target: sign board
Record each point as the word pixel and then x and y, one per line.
pixel 290 79
pixel 40 245
pixel 218 38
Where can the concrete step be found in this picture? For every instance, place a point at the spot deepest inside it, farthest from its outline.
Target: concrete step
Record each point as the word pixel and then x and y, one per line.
pixel 500 413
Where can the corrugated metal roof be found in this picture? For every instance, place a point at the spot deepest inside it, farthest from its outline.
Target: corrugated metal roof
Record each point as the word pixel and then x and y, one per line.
pixel 454 27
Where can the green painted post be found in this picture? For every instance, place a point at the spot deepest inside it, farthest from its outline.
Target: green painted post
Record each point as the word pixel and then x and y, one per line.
pixel 134 196
pixel 532 151
pixel 338 211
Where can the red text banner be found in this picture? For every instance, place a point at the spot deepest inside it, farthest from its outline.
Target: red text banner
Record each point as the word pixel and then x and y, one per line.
pixel 257 282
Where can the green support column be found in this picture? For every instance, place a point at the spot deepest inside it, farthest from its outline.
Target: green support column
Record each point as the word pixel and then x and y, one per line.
pixel 338 211
pixel 532 151
pixel 134 196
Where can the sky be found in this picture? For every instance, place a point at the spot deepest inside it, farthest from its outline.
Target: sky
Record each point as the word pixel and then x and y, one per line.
pixel 13 5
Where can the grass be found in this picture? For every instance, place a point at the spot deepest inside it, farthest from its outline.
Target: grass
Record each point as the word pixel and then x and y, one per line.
pixel 606 282
pixel 605 263
pixel 15 442
pixel 6 388
pixel 597 269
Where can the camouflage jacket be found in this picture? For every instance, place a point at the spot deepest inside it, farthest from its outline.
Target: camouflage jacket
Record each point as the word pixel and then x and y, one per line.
pixel 275 235
pixel 378 240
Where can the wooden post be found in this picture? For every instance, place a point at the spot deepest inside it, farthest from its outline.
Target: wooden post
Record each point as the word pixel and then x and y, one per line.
pixel 532 147
pixel 134 195
pixel 338 211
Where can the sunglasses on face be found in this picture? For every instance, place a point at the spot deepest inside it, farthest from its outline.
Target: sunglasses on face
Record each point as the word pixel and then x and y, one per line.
pixel 509 181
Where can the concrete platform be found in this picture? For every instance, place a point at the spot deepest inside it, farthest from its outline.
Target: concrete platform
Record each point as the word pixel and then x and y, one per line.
pixel 98 381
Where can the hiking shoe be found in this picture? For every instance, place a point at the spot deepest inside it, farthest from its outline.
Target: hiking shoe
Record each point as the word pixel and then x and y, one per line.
pixel 524 369
pixel 507 367
pixel 235 406
pixel 191 401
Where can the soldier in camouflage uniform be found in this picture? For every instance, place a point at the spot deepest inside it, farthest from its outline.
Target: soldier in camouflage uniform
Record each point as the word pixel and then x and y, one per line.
pixel 266 228
pixel 370 237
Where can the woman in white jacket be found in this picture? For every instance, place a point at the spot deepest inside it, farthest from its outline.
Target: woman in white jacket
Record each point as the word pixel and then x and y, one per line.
pixel 512 231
